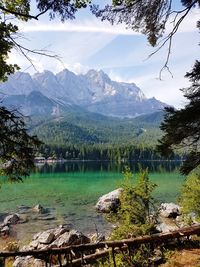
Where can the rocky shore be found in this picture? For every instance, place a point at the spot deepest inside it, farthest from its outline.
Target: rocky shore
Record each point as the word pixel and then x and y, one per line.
pixel 58 237
pixel 169 214
pixel 169 219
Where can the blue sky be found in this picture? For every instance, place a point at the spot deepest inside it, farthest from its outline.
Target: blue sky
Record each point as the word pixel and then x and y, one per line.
pixel 87 43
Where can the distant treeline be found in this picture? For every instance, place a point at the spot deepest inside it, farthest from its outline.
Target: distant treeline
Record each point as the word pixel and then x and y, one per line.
pixel 103 152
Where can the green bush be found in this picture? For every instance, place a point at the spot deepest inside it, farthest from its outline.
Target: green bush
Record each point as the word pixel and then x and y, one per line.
pixel 190 196
pixel 134 215
pixel 133 218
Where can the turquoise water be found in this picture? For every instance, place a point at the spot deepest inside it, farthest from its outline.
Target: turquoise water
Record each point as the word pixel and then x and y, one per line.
pixel 71 190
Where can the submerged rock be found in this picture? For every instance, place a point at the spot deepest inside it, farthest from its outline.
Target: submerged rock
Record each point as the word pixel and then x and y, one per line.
pixel 4 230
pixel 109 202
pixel 38 208
pixel 46 217
pixel 12 219
pixel 23 209
pixel 169 210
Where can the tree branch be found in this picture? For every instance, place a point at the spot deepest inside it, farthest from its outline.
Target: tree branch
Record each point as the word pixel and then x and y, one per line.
pixel 17 13
pixel 169 38
pixel 28 16
pixel 44 11
pixel 25 51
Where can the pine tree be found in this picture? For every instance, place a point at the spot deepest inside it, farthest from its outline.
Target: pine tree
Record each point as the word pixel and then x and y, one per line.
pixel 133 218
pixel 17 147
pixel 182 127
pixel 190 196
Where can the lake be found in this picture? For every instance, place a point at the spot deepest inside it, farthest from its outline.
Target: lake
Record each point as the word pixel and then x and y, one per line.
pixel 70 190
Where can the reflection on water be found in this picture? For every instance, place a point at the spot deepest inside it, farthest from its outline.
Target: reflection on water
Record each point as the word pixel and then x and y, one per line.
pixel 107 166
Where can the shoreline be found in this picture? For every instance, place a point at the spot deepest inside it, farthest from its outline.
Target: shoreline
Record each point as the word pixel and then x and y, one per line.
pixel 97 160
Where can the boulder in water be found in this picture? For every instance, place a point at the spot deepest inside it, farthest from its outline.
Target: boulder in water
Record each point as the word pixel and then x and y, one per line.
pixel 38 208
pixel 109 202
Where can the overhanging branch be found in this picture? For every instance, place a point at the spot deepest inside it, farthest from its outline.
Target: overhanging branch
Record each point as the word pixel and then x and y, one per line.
pixel 169 37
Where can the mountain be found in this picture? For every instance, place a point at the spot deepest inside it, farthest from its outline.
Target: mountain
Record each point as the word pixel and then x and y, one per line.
pixel 48 94
pixel 33 103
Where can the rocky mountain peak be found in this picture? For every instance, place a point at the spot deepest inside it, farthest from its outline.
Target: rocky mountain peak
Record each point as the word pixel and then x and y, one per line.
pixel 65 74
pixel 18 83
pixel 97 75
pixel 94 92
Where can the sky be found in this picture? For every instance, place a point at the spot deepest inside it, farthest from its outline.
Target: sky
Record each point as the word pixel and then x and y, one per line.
pixel 88 43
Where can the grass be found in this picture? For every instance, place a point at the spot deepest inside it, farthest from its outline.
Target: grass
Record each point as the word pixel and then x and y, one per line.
pixel 184 258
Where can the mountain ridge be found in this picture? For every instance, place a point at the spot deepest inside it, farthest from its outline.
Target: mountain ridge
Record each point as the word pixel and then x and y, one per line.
pixel 93 92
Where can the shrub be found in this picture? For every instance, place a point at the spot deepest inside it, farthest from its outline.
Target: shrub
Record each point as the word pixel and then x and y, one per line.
pixel 134 215
pixel 190 196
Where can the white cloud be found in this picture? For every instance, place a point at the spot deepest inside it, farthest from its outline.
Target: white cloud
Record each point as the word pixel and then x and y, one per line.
pixel 73 49
pixel 94 25
pixel 88 26
pixel 78 68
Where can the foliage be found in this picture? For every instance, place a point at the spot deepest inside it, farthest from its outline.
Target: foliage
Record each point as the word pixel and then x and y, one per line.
pixel 17 148
pixel 133 218
pixel 62 8
pixel 96 137
pixel 12 247
pixel 6 30
pixel 139 257
pixel 182 127
pixel 147 17
pixel 150 18
pixel 190 195
pixel 90 129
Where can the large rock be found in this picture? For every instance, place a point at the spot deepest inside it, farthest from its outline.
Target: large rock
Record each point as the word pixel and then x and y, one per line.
pixel 72 237
pixel 28 261
pixel 169 210
pixel 60 230
pixel 109 202
pixel 12 219
pixel 165 228
pixel 57 237
pixel 46 237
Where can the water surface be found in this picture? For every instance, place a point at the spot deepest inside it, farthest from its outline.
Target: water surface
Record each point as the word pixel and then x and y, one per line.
pixel 70 191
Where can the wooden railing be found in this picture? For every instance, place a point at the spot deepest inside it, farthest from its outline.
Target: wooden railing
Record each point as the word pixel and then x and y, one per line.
pixel 79 255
